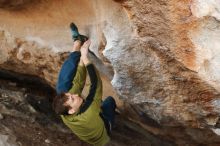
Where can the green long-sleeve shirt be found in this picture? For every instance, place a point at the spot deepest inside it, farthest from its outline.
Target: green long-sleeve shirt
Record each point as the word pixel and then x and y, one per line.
pixel 87 123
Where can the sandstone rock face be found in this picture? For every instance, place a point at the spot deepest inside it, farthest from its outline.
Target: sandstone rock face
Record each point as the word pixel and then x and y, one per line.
pixel 165 55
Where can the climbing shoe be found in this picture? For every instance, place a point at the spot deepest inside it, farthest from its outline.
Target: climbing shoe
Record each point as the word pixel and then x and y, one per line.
pixel 76 35
pixel 82 38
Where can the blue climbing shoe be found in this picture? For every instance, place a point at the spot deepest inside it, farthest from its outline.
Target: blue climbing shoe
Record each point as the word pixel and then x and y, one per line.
pixel 76 35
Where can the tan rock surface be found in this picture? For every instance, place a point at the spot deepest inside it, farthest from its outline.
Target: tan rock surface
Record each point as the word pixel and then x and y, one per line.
pixel 165 55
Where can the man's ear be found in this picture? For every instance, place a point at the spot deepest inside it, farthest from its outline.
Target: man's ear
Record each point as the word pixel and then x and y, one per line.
pixel 71 111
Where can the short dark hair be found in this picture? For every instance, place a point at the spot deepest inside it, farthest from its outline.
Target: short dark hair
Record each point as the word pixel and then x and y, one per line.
pixel 58 104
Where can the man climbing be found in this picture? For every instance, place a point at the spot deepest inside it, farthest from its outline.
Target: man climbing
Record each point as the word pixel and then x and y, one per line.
pixel 90 118
pixel 69 67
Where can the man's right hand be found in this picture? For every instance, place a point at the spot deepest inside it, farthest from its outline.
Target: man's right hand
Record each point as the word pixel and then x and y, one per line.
pixel 85 48
pixel 85 51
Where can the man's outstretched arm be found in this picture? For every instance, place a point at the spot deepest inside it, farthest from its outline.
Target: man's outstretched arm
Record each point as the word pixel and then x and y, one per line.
pixel 95 91
pixel 68 69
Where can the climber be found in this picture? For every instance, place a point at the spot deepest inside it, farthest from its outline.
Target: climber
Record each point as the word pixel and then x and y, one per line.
pixel 90 118
pixel 69 67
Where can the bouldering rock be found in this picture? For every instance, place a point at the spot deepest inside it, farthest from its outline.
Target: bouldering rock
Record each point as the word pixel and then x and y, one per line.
pixel 164 56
